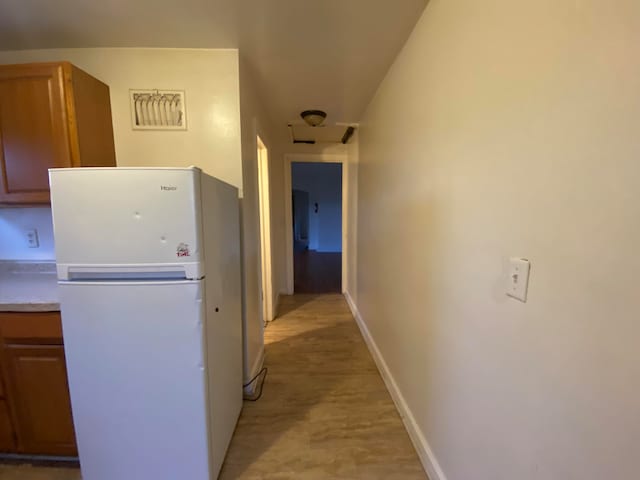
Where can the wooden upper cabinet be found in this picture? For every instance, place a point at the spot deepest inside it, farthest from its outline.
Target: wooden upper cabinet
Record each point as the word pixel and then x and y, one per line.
pixel 51 115
pixel 32 131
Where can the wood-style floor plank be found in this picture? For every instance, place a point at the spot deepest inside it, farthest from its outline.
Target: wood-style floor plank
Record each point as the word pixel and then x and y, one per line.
pixel 317 272
pixel 325 412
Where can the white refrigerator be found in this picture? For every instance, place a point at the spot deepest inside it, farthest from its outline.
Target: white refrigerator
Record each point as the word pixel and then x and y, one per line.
pixel 148 263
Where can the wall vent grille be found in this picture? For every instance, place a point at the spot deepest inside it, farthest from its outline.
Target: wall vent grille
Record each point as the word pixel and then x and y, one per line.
pixel 158 110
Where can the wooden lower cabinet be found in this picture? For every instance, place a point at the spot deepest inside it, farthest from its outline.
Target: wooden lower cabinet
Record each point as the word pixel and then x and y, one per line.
pixel 38 379
pixel 7 432
pixel 35 408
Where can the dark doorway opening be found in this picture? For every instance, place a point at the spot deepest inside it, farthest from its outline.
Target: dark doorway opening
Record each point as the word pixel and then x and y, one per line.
pixel 317 227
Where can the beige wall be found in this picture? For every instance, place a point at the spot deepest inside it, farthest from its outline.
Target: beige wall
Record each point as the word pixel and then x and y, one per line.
pixel 255 121
pixel 210 80
pixel 278 228
pixel 353 148
pixel 509 128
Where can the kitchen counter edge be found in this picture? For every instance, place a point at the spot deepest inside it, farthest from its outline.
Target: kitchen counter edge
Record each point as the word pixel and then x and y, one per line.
pixel 29 307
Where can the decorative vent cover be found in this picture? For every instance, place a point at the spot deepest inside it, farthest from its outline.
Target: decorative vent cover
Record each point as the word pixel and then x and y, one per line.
pixel 158 110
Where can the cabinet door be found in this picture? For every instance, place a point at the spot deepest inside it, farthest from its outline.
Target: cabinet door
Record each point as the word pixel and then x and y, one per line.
pixel 7 435
pixel 38 383
pixel 33 131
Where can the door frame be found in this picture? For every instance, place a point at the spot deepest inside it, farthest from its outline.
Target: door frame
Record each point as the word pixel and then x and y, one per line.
pixel 288 215
pixel 264 213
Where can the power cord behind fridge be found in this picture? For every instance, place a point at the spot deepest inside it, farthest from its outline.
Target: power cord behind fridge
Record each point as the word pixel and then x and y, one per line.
pixel 255 398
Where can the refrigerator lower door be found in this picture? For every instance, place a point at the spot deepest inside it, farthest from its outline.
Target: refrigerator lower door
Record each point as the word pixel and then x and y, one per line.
pixel 134 353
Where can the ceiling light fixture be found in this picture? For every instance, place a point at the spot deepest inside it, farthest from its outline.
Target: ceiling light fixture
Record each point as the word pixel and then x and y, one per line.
pixel 313 117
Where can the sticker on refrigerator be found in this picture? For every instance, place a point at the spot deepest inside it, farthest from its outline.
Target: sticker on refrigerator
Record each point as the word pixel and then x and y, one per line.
pixel 183 250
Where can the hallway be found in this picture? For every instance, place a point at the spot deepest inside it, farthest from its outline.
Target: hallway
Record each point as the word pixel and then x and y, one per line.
pixel 325 412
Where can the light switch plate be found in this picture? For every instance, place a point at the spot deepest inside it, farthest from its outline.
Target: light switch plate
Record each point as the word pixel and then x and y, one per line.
pixel 518 279
pixel 31 236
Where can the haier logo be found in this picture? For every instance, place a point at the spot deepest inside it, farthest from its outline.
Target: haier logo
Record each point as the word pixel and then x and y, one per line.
pixel 167 188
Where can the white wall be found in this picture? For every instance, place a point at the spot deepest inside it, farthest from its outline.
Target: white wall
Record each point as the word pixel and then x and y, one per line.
pixel 14 222
pixel 509 128
pixel 323 182
pixel 255 121
pixel 210 80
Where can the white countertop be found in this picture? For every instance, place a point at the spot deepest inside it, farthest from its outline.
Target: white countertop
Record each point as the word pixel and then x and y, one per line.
pixel 28 287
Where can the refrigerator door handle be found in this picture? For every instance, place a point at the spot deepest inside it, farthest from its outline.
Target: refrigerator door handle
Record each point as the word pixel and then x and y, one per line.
pixel 129 272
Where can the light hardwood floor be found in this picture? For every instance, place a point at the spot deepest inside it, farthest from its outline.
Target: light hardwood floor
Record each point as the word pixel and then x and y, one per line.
pixel 324 413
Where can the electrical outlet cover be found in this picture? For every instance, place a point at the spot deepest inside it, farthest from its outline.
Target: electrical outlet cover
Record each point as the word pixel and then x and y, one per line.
pixel 31 237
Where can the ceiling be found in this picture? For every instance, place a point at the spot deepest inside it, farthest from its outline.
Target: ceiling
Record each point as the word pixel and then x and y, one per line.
pixel 303 54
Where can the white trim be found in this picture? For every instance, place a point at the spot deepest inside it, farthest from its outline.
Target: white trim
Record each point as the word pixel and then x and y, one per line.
pixel 426 455
pixel 345 223
pixel 289 158
pixel 257 366
pixel 264 214
pixel 288 226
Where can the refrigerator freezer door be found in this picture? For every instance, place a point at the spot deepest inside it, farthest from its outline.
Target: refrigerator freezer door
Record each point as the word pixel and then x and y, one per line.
pixel 127 216
pixel 135 360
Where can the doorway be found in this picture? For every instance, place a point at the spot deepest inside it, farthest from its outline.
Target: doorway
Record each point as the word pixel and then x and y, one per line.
pixel 316 202
pixel 265 229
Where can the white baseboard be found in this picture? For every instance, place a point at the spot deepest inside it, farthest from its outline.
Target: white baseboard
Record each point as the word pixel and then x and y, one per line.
pixel 427 458
pixel 257 366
